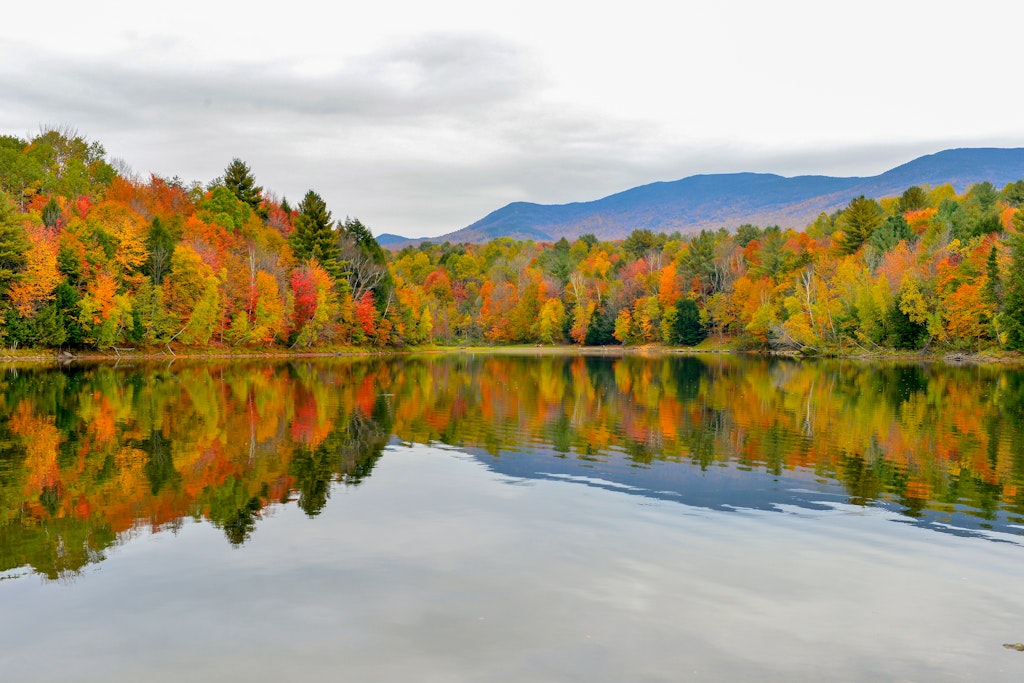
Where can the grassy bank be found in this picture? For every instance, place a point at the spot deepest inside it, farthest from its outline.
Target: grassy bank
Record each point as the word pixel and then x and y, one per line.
pixel 708 346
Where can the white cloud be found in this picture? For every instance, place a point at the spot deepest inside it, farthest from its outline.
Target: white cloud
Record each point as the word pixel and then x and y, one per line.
pixel 422 117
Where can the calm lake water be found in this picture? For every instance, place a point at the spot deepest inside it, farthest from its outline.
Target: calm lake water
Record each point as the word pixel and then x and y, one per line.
pixel 493 518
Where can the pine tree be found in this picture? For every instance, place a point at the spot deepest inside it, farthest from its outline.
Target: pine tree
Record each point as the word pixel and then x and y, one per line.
pixel 314 236
pixel 994 289
pixel 51 213
pixel 688 330
pixel 13 245
pixel 239 179
pixel 891 233
pixel 1013 303
pixel 912 199
pixel 858 222
pixel 903 332
pixel 66 303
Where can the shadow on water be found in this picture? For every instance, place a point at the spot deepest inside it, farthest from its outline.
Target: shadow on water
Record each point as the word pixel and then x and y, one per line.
pixel 90 453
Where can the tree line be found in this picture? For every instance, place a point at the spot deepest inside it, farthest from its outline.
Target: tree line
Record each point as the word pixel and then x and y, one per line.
pixel 94 258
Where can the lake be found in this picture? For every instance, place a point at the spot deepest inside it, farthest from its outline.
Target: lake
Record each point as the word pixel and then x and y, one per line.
pixel 483 517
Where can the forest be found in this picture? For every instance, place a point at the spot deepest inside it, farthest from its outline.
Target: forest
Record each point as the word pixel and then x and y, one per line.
pixel 97 259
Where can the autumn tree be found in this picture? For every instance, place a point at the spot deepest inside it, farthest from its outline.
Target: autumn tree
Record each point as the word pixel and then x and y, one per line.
pixel 270 323
pixel 40 276
pixel 552 320
pixel 187 284
pixel 315 305
pixel 624 327
pixel 67 164
pixel 20 174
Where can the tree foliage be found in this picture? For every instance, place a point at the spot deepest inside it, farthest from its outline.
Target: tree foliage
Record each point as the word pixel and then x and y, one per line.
pixel 89 258
pixel 858 222
pixel 239 180
pixel 314 236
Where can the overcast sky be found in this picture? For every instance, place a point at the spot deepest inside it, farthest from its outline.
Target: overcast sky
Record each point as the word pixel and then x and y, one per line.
pixel 422 117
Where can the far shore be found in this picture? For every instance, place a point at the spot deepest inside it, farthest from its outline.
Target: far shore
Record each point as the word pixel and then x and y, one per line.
pixel 30 356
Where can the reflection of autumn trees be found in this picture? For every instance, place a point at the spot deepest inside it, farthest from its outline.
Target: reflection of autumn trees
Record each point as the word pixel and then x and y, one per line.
pixel 91 454
pixel 924 435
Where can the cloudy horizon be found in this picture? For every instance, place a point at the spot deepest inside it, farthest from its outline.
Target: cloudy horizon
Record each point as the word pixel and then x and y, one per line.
pixel 421 120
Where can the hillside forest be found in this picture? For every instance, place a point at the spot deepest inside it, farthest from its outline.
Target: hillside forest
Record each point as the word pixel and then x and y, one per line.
pixel 92 258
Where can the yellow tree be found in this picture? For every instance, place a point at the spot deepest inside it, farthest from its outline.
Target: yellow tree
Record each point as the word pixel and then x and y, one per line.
pixel 270 323
pixel 552 318
pixel 40 277
pixel 190 283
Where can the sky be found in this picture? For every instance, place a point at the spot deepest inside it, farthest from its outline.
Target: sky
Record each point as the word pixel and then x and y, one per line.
pixel 419 118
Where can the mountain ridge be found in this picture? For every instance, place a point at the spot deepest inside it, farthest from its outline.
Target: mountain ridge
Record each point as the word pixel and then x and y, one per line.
pixel 711 201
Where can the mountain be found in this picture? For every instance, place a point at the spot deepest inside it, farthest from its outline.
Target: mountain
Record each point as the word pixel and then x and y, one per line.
pixel 386 239
pixel 732 199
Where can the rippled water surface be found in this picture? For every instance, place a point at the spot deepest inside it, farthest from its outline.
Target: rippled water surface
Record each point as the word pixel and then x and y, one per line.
pixel 492 518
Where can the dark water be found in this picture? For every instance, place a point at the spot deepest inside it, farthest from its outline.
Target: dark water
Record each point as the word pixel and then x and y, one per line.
pixel 488 518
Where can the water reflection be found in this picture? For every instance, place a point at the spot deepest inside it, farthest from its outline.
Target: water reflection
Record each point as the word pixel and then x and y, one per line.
pixel 91 453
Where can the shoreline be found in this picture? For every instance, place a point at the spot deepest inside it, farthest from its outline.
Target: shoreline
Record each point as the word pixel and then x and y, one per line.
pixel 653 350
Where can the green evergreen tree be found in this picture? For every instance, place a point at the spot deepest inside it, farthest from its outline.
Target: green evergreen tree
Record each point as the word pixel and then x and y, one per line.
pixel 66 303
pixel 68 265
pixel 687 329
pixel 1013 304
pixel 601 331
pixel 13 245
pixel 364 239
pixel 556 261
pixel 994 285
pixel 858 222
pixel 891 233
pixel 16 330
pixel 639 242
pixel 1013 193
pixel 51 213
pixel 48 329
pixel 314 235
pixel 239 179
pixel 912 199
pixel 747 233
pixel 904 333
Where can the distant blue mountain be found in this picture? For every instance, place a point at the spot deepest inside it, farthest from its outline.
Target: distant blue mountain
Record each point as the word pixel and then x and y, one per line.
pixel 386 238
pixel 732 199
